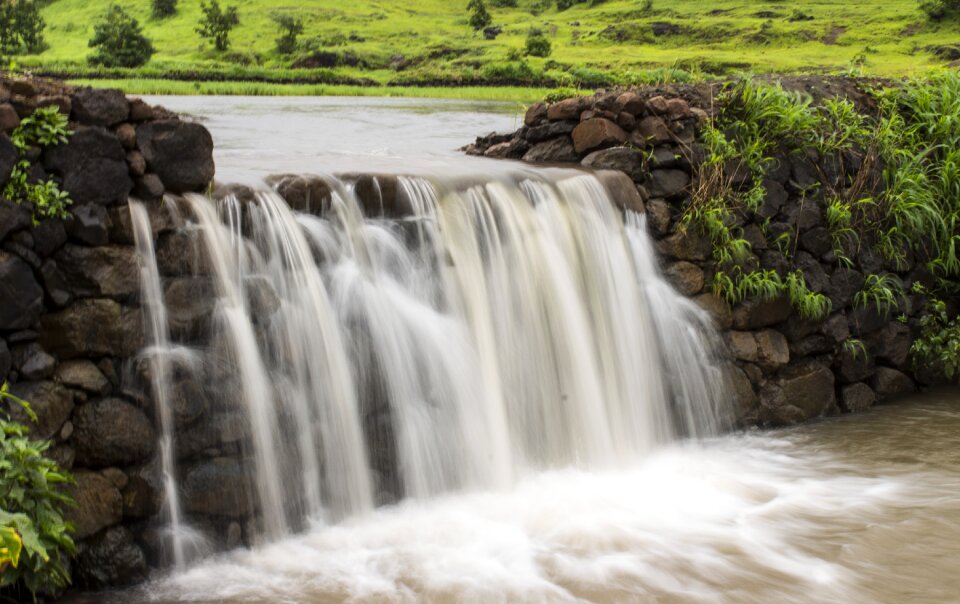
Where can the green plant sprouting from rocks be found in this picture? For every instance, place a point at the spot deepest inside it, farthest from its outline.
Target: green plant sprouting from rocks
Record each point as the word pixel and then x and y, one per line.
pixel 938 344
pixel 45 127
pixel 31 503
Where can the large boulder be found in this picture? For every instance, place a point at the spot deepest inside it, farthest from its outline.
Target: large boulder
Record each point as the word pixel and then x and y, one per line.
pixel 857 397
pixel 98 504
pixel 180 153
pixel 623 192
pixel 890 383
pixel 302 193
pixel 107 271
pixel 554 151
pixel 597 133
pixel 801 392
pixel 549 130
pixel 100 106
pixel 626 160
pixel 668 183
pixel 21 297
pixel 51 402
pixel 217 487
pixel 111 559
pixel 190 304
pixel 93 328
pixel 83 374
pixel 686 277
pixel 13 217
pixel 567 109
pixel 93 165
pixel 112 432
pixel 90 224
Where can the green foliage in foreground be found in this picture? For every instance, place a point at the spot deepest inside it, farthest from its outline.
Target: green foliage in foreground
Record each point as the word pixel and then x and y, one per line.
pixel 45 127
pixel 31 504
pixel 119 41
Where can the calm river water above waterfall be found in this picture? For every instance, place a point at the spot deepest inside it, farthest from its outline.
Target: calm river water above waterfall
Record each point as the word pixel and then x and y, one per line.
pixel 855 509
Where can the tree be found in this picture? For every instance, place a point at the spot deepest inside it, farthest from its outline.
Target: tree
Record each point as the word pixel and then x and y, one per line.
pixel 537 44
pixel 164 8
pixel 119 41
pixel 21 27
pixel 479 17
pixel 939 9
pixel 290 28
pixel 216 23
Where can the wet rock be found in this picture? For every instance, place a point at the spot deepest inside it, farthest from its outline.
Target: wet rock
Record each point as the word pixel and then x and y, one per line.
pixel 13 217
pixel 685 245
pixel 891 344
pixel 854 364
pixel 93 328
pixel 51 402
pixel 100 106
pixel 302 193
pixel 217 487
pixel 380 195
pixel 626 160
pixel 623 192
pixel 567 109
pixel 548 131
pixel 802 391
pixel 99 504
pixel 21 297
pixel 55 284
pixel 717 308
pixel 33 362
pixel 773 351
pixel 755 313
pixel 742 345
pixel 93 167
pixel 148 187
pixel 162 220
pixel 741 390
pixel 556 151
pixel 668 183
pixel 658 216
pixel 111 271
pixel 836 328
pixel 857 397
pixel 49 236
pixel 136 163
pixel 111 559
pixel 111 432
pixel 844 284
pixel 686 277
pixel 84 375
pixel 182 253
pixel 190 304
pixel 889 383
pixel 180 153
pixel 90 225
pixel 597 133
pixel 141 499
pixel 651 131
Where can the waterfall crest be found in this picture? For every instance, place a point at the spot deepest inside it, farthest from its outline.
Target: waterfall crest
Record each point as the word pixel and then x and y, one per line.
pixel 497 328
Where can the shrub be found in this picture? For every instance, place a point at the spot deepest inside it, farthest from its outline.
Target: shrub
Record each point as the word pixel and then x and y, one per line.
pixel 31 506
pixel 21 27
pixel 537 45
pixel 290 28
pixel 504 3
pixel 119 41
pixel 216 23
pixel 939 9
pixel 163 8
pixel 479 16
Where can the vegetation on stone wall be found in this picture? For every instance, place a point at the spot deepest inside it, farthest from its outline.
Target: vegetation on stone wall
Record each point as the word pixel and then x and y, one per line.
pixel 45 127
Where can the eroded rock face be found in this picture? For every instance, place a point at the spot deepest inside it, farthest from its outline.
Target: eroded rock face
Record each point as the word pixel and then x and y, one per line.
pixel 180 153
pixel 112 432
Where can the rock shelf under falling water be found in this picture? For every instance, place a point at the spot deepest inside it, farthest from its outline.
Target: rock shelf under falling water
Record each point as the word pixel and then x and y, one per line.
pixel 496 328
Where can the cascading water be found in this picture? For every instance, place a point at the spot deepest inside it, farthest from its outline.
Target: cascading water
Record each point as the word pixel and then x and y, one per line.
pixel 498 329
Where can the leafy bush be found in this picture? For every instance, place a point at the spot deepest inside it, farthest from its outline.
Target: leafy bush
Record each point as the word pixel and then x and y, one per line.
pixel 45 127
pixel 537 45
pixel 119 41
pixel 939 9
pixel 21 27
pixel 479 16
pixel 163 8
pixel 31 504
pixel 504 3
pixel 216 23
pixel 290 27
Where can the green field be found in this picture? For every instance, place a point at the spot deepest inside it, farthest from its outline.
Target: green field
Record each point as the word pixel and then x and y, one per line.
pixel 376 43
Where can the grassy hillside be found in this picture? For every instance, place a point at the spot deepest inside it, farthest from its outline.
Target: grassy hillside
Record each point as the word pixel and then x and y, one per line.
pixel 429 42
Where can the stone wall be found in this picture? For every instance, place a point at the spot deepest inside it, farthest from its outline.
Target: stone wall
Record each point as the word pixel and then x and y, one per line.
pixel 70 321
pixel 785 369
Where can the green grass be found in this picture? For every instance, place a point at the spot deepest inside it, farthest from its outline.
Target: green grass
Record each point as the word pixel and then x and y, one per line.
pixel 428 42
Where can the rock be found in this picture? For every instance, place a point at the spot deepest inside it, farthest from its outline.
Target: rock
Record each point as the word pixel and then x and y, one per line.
pixel 627 121
pixel 13 217
pixel 651 131
pixel 6 360
pixel 21 297
pixel 93 166
pixel 623 192
pixel 111 432
pixel 9 119
pixel 51 402
pixel 116 477
pixel 741 391
pixel 136 163
pixel 148 187
pixel 498 151
pixel 180 153
pixel 658 216
pixel 803 172
pixel 773 351
pixel 802 391
pixel 854 365
pixel 685 245
pixel 755 313
pixel 891 344
pixel 302 193
pixel 548 131
pixel 127 135
pixel 140 498
pixel 90 224
pixel 93 328
pixel 812 345
pixel 626 160
pixel 717 308
pixel 217 487
pixel 190 304
pixel 33 362
pixel 108 271
pixel 631 102
pixel 686 277
pixel 84 375
pixel 857 397
pixel 844 284
pixel 668 183
pixel 742 345
pixel 55 284
pixel 536 113
pixel 140 111
pixel 111 559
pixel 558 150
pixel 8 159
pixel 813 272
pixel 49 236
pixel 99 504
pixel 63 103
pixel 774 199
pixel 597 133
pixel 890 383
pixel 678 108
pixel 658 105
pixel 567 109
pixel 817 241
pixel 100 106
pixel 836 328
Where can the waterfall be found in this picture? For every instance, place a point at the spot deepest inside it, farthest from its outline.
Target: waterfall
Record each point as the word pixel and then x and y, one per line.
pixel 499 327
